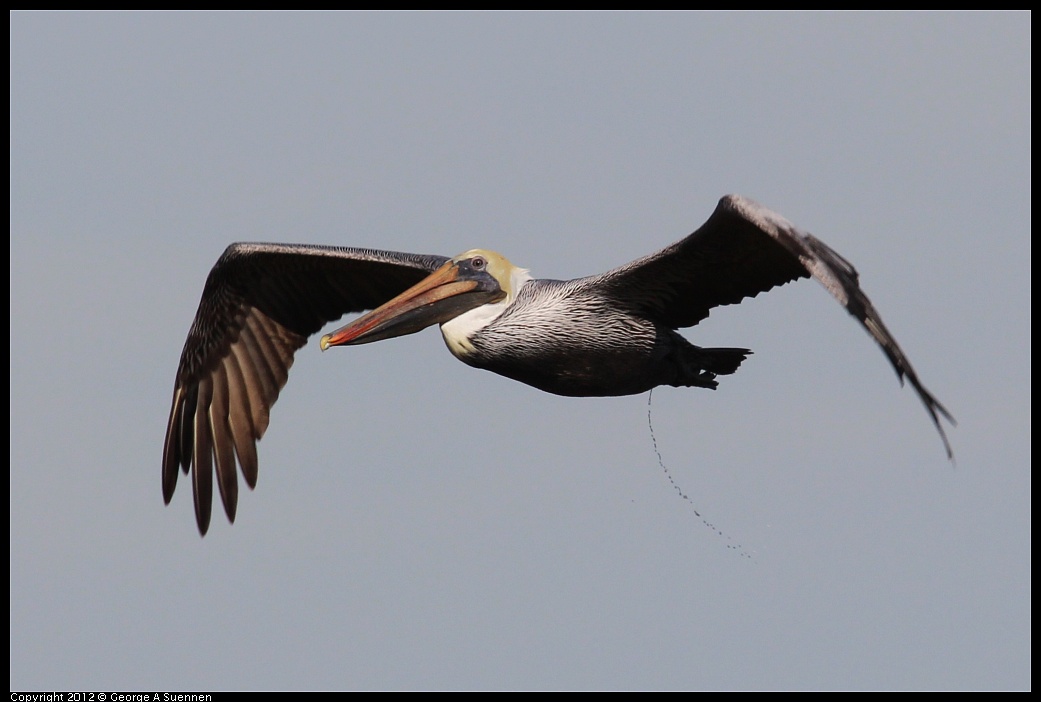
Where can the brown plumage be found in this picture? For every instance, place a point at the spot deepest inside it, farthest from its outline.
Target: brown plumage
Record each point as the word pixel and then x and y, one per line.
pixel 608 334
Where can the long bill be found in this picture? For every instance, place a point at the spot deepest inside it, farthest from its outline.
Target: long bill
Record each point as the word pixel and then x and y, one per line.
pixel 441 296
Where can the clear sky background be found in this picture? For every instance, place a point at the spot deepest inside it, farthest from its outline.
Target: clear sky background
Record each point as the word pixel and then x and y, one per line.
pixel 420 524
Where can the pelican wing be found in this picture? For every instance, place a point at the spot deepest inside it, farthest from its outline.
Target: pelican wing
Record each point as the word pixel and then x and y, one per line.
pixel 259 305
pixel 742 250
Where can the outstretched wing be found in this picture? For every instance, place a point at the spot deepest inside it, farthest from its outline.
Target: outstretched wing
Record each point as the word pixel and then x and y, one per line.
pixel 742 250
pixel 259 305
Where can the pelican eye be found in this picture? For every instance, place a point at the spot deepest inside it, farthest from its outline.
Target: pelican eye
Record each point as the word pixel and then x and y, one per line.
pixel 478 262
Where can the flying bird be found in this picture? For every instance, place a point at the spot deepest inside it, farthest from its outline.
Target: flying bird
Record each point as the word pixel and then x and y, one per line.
pixel 603 335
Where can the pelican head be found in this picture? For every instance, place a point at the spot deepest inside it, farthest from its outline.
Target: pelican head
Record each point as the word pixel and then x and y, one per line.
pixel 468 281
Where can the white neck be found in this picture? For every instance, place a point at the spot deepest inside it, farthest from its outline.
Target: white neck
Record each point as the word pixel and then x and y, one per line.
pixel 458 331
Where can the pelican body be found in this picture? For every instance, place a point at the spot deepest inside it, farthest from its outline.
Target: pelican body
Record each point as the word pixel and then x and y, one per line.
pixel 608 334
pixel 557 336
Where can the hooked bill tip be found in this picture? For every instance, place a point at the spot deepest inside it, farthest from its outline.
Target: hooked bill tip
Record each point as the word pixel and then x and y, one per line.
pixel 324 343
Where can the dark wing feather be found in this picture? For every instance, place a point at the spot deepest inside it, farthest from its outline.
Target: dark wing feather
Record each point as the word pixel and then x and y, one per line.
pixel 742 250
pixel 259 305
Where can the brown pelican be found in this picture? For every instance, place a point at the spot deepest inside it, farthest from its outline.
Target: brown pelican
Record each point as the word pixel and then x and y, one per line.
pixel 607 334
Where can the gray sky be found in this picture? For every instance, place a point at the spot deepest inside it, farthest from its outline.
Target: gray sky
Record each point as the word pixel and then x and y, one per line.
pixel 420 524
